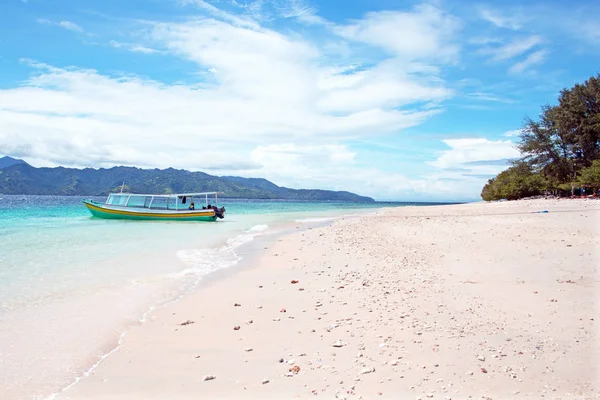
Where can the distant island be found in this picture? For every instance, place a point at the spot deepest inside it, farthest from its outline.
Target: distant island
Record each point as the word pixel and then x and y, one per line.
pixel 18 177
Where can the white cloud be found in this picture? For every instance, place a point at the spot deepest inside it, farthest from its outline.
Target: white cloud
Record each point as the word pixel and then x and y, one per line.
pixel 481 40
pixel 273 105
pixel 501 21
pixel 143 49
pixel 386 85
pixel 135 48
pixel 588 29
pixel 81 118
pixel 333 167
pixel 424 33
pixel 483 96
pixel 513 133
pixel 115 44
pixel 294 9
pixel 468 164
pixel 223 15
pixel 534 58
pixel 71 26
pixel 514 48
pixel 470 150
pixel 309 165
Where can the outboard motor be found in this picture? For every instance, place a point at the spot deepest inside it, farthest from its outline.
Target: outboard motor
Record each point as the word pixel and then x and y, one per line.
pixel 220 212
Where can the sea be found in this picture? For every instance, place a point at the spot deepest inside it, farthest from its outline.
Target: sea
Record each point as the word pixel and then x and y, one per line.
pixel 71 285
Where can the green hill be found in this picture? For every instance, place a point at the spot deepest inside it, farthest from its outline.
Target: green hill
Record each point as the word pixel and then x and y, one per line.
pixel 19 177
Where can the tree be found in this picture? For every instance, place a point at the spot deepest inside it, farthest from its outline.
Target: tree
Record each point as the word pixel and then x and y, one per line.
pixel 567 136
pixel 516 182
pixel 544 148
pixel 591 175
pixel 578 118
pixel 562 143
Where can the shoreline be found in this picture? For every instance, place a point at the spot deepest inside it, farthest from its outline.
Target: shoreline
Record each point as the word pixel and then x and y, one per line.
pixel 104 380
pixel 409 320
pixel 247 253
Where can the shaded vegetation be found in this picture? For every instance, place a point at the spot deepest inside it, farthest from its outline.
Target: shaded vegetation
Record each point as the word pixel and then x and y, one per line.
pixel 559 151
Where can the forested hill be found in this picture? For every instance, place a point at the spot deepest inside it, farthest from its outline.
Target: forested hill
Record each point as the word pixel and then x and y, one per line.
pixel 18 177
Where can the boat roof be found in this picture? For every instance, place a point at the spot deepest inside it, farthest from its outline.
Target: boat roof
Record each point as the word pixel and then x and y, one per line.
pixel 167 195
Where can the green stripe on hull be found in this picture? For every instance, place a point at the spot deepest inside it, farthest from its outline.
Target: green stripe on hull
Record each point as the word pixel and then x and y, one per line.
pixel 100 213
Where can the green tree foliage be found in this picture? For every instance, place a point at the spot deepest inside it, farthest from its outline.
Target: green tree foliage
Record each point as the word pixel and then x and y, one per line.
pixel 516 182
pixel 591 175
pixel 543 147
pixel 563 143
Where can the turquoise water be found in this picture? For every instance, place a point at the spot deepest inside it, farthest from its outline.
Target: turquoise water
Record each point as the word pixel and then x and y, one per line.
pixel 77 282
pixel 82 248
pixel 52 245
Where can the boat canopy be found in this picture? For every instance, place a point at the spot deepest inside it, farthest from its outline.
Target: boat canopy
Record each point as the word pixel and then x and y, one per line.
pixel 173 201
pixel 169 195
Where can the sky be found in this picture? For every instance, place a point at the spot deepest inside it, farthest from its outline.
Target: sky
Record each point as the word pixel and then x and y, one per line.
pixel 397 100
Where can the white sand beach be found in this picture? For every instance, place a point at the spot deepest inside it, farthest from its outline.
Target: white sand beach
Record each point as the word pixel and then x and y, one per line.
pixel 481 301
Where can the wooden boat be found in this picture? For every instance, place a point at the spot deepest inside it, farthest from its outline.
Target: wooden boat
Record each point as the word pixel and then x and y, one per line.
pixel 180 207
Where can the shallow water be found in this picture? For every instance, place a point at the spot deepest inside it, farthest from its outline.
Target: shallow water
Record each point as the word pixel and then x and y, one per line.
pixel 70 283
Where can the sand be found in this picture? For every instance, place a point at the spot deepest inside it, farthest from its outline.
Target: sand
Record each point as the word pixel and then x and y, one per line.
pixel 482 301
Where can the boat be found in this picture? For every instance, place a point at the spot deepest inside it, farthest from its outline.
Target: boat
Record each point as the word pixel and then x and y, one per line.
pixel 179 207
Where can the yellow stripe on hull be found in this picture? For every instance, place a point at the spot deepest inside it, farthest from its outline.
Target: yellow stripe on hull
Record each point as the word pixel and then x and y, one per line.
pixel 101 212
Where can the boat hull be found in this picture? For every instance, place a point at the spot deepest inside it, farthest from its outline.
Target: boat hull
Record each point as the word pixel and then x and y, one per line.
pixel 107 212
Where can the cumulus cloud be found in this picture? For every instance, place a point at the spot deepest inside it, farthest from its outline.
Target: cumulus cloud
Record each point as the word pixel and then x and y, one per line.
pixel 423 33
pixel 467 163
pixel 266 88
pixel 467 150
pixel 270 104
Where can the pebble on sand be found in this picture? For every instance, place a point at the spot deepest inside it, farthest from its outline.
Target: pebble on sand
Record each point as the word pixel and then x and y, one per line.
pixel 188 322
pixel 236 328
pixel 264 381
pixel 209 377
pixel 294 281
pixel 339 343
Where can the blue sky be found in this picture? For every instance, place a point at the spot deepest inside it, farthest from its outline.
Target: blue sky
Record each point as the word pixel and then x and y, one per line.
pixel 400 100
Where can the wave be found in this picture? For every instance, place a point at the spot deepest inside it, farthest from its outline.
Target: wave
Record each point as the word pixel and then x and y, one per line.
pixel 199 262
pixel 312 220
pixel 258 228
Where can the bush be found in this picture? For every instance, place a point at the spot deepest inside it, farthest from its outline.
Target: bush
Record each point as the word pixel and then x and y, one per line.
pixel 516 182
